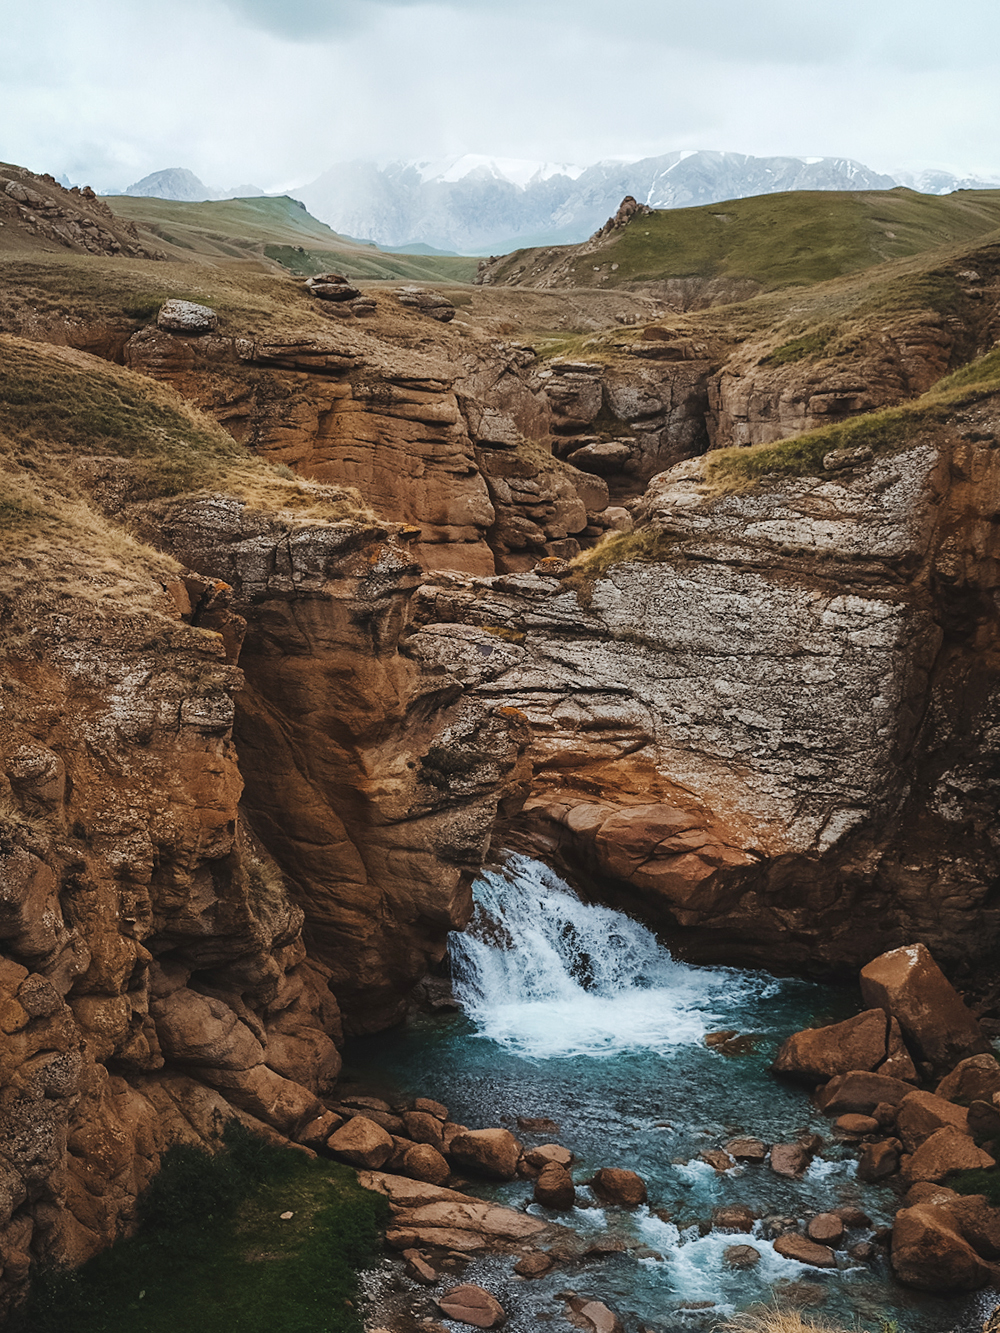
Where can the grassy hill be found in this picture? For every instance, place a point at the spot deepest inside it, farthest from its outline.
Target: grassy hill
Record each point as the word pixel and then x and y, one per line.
pixel 278 229
pixel 776 240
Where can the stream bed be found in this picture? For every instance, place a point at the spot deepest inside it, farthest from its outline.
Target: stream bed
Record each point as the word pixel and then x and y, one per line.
pixel 576 1013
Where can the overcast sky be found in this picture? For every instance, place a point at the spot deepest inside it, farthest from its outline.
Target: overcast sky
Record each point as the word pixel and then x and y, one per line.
pixel 271 92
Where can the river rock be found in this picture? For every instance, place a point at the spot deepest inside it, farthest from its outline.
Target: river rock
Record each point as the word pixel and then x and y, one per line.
pixel 852 1217
pixel 818 1054
pixel 920 1114
pixel 747 1150
pixel 938 1027
pixel 549 1152
pixel 429 1215
pixel 471 1305
pixel 860 1092
pixel 487 1152
pixel 419 1269
pixel 733 1217
pixel 826 1229
pixel 186 317
pixel 984 1120
pixel 436 1109
pixel 424 1162
pixel 716 1158
pixel 856 1125
pixel 617 1186
pixel 592 1316
pixel 534 1265
pixel 976 1078
pixel 790 1159
pixel 360 1142
pixel 929 1252
pixel 793 1246
pixel 741 1257
pixel 316 1133
pixel 925 1191
pixel 554 1187
pixel 423 1127
pixel 879 1160
pixel 946 1151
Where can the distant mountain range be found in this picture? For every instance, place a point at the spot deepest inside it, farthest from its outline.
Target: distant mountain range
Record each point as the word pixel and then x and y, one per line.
pixel 480 205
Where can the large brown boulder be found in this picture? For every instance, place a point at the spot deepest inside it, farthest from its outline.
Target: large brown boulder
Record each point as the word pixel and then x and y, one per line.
pixel 360 1142
pixel 977 1078
pixel 423 1162
pixel 879 1160
pixel 946 1151
pixel 554 1187
pixel 486 1152
pixel 907 984
pixel 471 1305
pixel 929 1252
pixel 863 1042
pixel 614 1185
pixel 922 1114
pixel 790 1159
pixel 859 1092
pixel 793 1246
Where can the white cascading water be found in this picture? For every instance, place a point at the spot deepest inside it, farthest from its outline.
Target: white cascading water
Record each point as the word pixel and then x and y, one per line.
pixel 547 976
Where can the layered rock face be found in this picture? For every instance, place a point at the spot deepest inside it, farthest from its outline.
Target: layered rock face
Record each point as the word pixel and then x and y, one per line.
pixel 772 727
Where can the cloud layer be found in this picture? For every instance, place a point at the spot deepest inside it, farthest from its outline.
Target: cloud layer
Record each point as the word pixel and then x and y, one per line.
pixel 273 91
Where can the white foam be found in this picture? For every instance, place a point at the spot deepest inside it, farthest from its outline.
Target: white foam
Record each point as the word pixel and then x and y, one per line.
pixel 548 976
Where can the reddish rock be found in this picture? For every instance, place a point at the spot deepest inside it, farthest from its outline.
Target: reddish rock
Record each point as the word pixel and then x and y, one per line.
pixel 885 1114
pixel 422 1127
pixel 360 1142
pixel 979 1223
pixel 921 1114
pixel 929 1252
pixel 471 1305
pixel 419 1269
pixel 790 1159
pixel 616 1186
pixel 793 1246
pixel 850 1123
pixel 863 1251
pixel 860 1091
pixel 946 1151
pixel 863 1042
pixel 423 1162
pixel 554 1187
pixel 984 1120
pixel 716 1158
pixel 741 1257
pixel 733 1217
pixel 436 1109
pixel 936 1024
pixel 747 1150
pixel 852 1217
pixel 977 1078
pixel 534 1265
pixel 826 1229
pixel 549 1152
pixel 925 1191
pixel 592 1316
pixel 879 1160
pixel 487 1152
pixel 316 1133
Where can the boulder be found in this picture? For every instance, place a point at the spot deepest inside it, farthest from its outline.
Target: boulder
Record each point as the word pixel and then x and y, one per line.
pixel 423 1127
pixel 852 1217
pixel 856 1125
pixel 715 1157
pixel 436 1109
pixel 331 287
pixel 793 1246
pixel 486 1152
pixel 471 1305
pixel 863 1042
pixel 554 1187
pixel 747 1150
pixel 360 1142
pixel 592 1316
pixel 187 317
pixel 419 1269
pixel 548 1152
pixel 984 1120
pixel 946 1151
pixel 616 1186
pixel 979 1223
pixel 936 1024
pixel 733 1217
pixel 976 1078
pixel 826 1229
pixel 741 1257
pixel 423 1162
pixel 925 1191
pixel 879 1160
pixel 534 1265
pixel 790 1159
pixel 428 303
pixel 317 1132
pixel 929 1252
pixel 860 1092
pixel 921 1114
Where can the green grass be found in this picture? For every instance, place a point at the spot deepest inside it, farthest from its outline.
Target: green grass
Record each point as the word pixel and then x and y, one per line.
pixel 977 1182
pixel 777 240
pixel 211 1251
pixel 809 344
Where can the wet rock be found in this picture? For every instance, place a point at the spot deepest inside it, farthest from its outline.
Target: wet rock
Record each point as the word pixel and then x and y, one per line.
pixel 826 1229
pixel 436 1109
pixel 741 1257
pixel 792 1246
pixel 879 1160
pixel 717 1159
pixel 976 1078
pixel 549 1152
pixel 616 1186
pixel 487 1152
pixel 537 1124
pixel 554 1187
pixel 885 1114
pixel 733 1217
pixel 316 1133
pixel 856 1125
pixel 863 1042
pixel 423 1162
pixel 920 1114
pixel 859 1092
pixel 360 1142
pixel 534 1265
pixel 938 1027
pixel 790 1159
pixel 984 1120
pixel 592 1316
pixel 419 1269
pixel 925 1191
pixel 471 1305
pixel 929 1252
pixel 187 317
pixel 747 1150
pixel 423 1127
pixel 946 1151
pixel 863 1251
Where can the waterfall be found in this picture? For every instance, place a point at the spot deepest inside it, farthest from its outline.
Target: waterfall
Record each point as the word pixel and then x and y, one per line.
pixel 547 976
